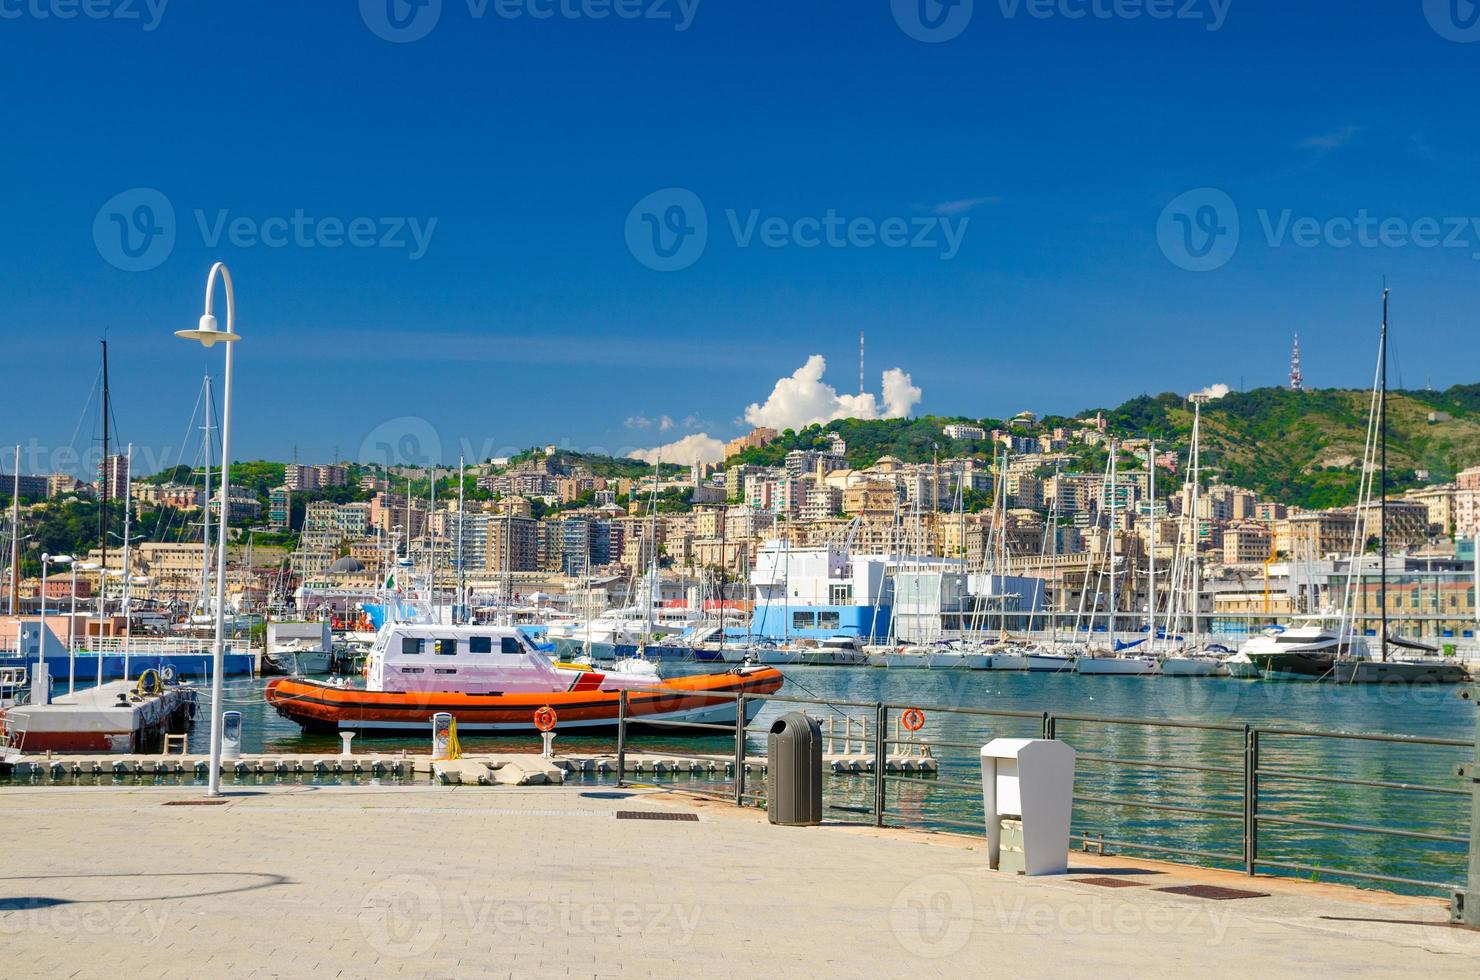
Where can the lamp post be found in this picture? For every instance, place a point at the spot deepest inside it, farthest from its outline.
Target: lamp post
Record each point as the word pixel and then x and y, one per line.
pixel 71 623
pixel 209 333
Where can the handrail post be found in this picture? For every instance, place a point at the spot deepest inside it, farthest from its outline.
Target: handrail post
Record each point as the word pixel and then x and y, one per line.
pixel 1465 907
pixel 622 738
pixel 740 752
pixel 1251 798
pixel 881 760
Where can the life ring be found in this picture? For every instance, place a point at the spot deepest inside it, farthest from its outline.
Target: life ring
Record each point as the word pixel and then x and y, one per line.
pixel 913 719
pixel 545 718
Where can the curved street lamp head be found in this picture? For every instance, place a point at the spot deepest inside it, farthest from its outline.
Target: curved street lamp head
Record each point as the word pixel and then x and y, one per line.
pixel 208 333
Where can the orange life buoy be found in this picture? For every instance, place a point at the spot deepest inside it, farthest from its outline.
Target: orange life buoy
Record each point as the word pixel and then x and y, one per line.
pixel 913 719
pixel 545 718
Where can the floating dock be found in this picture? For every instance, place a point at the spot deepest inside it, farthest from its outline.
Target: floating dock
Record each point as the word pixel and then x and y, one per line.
pixel 466 769
pixel 112 718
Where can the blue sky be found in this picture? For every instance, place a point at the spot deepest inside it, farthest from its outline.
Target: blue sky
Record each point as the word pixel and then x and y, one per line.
pixel 520 149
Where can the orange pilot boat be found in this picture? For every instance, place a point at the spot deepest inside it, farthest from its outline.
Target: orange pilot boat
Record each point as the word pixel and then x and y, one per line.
pixel 492 679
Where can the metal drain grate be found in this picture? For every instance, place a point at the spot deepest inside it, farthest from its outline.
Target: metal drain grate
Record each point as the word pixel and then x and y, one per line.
pixel 1108 882
pixel 196 802
pixel 1214 892
pixel 656 815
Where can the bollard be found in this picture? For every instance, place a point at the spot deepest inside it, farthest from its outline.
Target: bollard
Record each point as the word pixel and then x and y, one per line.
pixel 346 737
pixel 549 750
pixel 231 735
pixel 441 736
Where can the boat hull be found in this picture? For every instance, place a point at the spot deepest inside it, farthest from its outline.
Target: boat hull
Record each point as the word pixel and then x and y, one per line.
pixel 1121 666
pixel 1294 665
pixel 1191 667
pixel 1399 672
pixel 703 699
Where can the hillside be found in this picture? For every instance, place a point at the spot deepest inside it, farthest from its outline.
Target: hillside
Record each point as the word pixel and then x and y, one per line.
pixel 1298 447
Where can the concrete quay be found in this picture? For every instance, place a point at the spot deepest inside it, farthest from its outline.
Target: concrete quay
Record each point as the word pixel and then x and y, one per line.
pixel 555 881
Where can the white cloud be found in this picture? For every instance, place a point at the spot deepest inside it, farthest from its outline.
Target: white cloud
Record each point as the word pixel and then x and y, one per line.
pixel 804 398
pixel 795 401
pixel 1214 391
pixel 962 205
pixel 699 446
pixel 900 395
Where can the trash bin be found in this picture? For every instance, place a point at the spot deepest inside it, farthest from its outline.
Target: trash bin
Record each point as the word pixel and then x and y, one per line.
pixel 794 773
pixel 1028 798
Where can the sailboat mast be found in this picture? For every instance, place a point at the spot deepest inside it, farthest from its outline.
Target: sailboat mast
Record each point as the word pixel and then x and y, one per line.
pixel 205 514
pixel 1151 563
pixel 1382 500
pixel 102 510
pixel 461 481
pixel 1114 497
pixel 1196 522
pixel 15 532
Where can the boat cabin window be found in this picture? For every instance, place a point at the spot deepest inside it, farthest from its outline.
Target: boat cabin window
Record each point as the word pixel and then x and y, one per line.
pixel 480 644
pixel 803 620
pixel 828 620
pixel 446 648
pixel 510 645
pixel 410 645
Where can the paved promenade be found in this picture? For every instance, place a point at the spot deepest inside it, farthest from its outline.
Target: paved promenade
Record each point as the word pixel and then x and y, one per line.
pixel 350 882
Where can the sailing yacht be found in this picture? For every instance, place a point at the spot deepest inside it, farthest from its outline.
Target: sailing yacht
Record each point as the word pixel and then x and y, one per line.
pixel 1317 653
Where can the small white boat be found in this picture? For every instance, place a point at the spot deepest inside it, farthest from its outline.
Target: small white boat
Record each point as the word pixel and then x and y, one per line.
pixel 837 651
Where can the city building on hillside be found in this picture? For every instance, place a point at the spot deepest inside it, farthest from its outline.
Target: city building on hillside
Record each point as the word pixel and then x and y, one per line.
pixel 113 470
pixel 957 430
pixel 32 487
pixel 754 439
pixel 280 507
pixel 1247 542
pixel 58 484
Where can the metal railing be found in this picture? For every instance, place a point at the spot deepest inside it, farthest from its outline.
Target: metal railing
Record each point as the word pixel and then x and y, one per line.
pixel 1248 800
